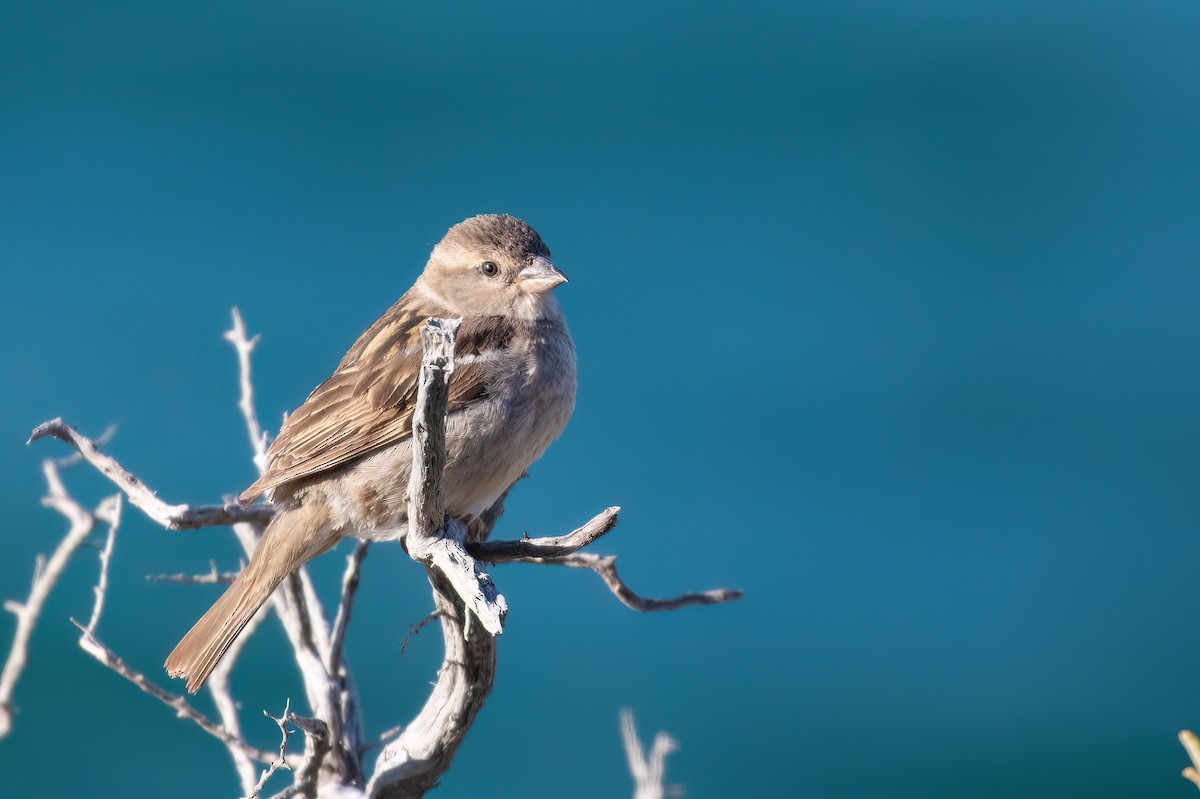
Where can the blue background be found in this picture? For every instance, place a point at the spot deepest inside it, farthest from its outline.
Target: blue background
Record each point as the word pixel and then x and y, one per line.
pixel 886 313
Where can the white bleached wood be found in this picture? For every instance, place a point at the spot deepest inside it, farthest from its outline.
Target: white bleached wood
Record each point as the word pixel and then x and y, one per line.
pixel 172 517
pixel 279 762
pixel 244 346
pixel 331 695
pixel 45 577
pixel 89 643
pixel 109 511
pixel 341 622
pixel 211 577
pixel 415 761
pixel 433 539
pixel 557 546
pixel 469 607
pixel 649 773
pixel 606 567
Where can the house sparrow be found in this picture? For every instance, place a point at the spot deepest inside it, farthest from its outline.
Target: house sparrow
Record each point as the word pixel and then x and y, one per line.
pixel 340 466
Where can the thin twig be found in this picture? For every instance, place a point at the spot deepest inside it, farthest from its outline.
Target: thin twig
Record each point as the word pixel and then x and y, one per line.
pixel 110 511
pixel 280 761
pixel 211 577
pixel 93 646
pixel 577 539
pixel 606 567
pixel 296 601
pixel 301 614
pixel 172 517
pixel 337 639
pixel 414 629
pixel 46 575
pixel 648 773
pixel 258 438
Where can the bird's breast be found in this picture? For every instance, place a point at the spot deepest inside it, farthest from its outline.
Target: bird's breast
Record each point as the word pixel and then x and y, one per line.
pixel 530 396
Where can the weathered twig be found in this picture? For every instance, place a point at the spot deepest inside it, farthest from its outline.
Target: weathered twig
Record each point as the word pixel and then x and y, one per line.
pixel 76 458
pixel 606 567
pixel 172 517
pixel 46 574
pixel 109 511
pixel 316 732
pixel 211 577
pixel 433 539
pixel 414 629
pixel 280 761
pixel 92 645
pixel 577 539
pixel 337 639
pixel 648 772
pixel 244 346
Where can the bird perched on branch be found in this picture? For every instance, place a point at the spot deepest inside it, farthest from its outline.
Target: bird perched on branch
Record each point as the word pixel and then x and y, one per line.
pixel 340 466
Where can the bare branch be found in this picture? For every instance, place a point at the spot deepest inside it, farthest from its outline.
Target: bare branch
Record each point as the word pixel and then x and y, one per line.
pixel 76 458
pixel 317 734
pixel 281 761
pixel 606 567
pixel 434 539
pixel 258 439
pixel 414 629
pixel 298 607
pixel 337 639
pixel 464 597
pixel 648 773
pixel 427 507
pixel 110 510
pixel 92 645
pixel 415 761
pixel 46 575
pixel 211 577
pixel 172 517
pixel 577 539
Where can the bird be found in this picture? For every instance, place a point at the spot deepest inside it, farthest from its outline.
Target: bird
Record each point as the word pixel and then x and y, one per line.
pixel 340 465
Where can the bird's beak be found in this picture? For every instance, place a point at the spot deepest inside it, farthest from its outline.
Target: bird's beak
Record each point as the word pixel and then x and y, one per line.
pixel 540 276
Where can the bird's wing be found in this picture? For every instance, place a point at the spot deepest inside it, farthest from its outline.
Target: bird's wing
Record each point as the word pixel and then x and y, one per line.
pixel 367 403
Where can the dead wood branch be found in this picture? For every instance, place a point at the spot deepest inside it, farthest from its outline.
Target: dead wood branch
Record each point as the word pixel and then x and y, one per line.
pixel 606 567
pixel 172 517
pixel 467 603
pixel 45 576
pixel 649 772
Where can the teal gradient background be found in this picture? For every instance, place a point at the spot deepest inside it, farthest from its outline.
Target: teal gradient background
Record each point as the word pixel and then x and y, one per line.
pixel 887 313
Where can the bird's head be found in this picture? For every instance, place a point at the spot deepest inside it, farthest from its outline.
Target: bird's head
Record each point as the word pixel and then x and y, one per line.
pixel 493 265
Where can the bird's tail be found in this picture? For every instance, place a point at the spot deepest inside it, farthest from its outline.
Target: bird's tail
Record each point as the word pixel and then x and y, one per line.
pixel 281 549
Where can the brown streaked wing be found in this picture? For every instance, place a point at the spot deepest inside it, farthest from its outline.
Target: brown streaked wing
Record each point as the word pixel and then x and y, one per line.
pixel 368 402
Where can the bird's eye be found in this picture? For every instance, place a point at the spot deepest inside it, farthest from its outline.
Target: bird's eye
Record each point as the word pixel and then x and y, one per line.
pixel 489 269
